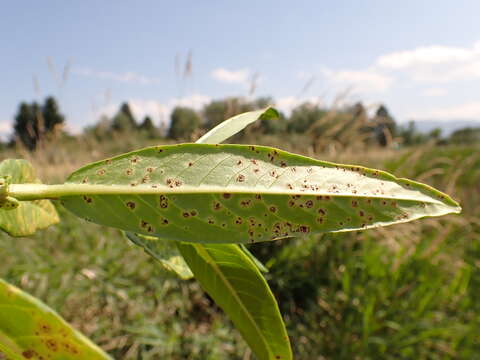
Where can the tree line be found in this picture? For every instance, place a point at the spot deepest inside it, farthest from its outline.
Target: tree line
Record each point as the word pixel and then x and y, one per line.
pixel 321 127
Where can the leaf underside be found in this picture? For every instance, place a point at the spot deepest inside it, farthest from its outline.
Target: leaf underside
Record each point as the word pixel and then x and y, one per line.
pixel 232 279
pixel 29 216
pixel 243 194
pixel 165 252
pixel 31 330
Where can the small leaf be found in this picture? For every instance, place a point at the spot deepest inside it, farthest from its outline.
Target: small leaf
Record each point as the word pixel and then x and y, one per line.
pixel 235 124
pixel 31 330
pixel 236 285
pixel 26 217
pixel 243 194
pixel 165 252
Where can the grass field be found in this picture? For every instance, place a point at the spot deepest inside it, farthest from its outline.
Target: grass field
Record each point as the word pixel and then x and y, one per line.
pixel 402 292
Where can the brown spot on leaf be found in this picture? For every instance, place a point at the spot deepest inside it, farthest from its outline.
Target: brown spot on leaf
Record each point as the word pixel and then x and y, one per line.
pixel 131 205
pixel 101 172
pixel 240 178
pixel 226 196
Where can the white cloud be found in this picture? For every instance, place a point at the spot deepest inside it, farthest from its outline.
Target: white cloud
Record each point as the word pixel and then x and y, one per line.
pixel 126 77
pixel 240 76
pixel 434 92
pixel 363 81
pixel 435 63
pixel 5 128
pixel 427 55
pixel 288 103
pixel 467 111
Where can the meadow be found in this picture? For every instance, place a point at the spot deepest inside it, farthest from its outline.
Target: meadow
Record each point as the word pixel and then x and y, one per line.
pixel 405 291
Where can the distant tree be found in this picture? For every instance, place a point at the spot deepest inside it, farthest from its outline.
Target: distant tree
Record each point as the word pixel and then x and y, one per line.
pixel 304 116
pixel 465 136
pixel 51 115
pixel 385 127
pixel 184 122
pixel 124 119
pixel 34 123
pixel 148 127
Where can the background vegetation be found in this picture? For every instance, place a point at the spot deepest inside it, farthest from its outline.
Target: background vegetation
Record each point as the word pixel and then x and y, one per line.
pixel 407 291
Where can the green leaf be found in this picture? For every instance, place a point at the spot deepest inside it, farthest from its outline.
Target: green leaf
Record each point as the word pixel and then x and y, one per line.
pixel 237 286
pixel 164 251
pixel 242 194
pixel 235 124
pixel 31 330
pixel 25 217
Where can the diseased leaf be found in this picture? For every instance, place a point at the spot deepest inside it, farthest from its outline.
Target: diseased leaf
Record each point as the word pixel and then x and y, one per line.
pixel 243 194
pixel 236 285
pixel 31 330
pixel 235 124
pixel 164 251
pixel 26 217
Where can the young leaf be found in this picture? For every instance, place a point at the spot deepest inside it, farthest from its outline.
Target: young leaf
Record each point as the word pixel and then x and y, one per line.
pixel 22 218
pixel 239 194
pixel 235 124
pixel 236 285
pixel 31 330
pixel 165 252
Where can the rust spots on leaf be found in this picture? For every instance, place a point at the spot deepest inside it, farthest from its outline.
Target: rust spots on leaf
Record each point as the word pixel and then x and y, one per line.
pixel 163 202
pixel 29 354
pixel 240 178
pixel 245 203
pixel 304 229
pixel 135 160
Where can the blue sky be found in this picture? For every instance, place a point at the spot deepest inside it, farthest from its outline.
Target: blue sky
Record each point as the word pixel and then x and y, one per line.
pixel 420 58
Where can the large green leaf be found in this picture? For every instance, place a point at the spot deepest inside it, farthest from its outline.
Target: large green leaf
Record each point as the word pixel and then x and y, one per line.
pixel 242 194
pixel 31 330
pixel 27 216
pixel 164 251
pixel 237 286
